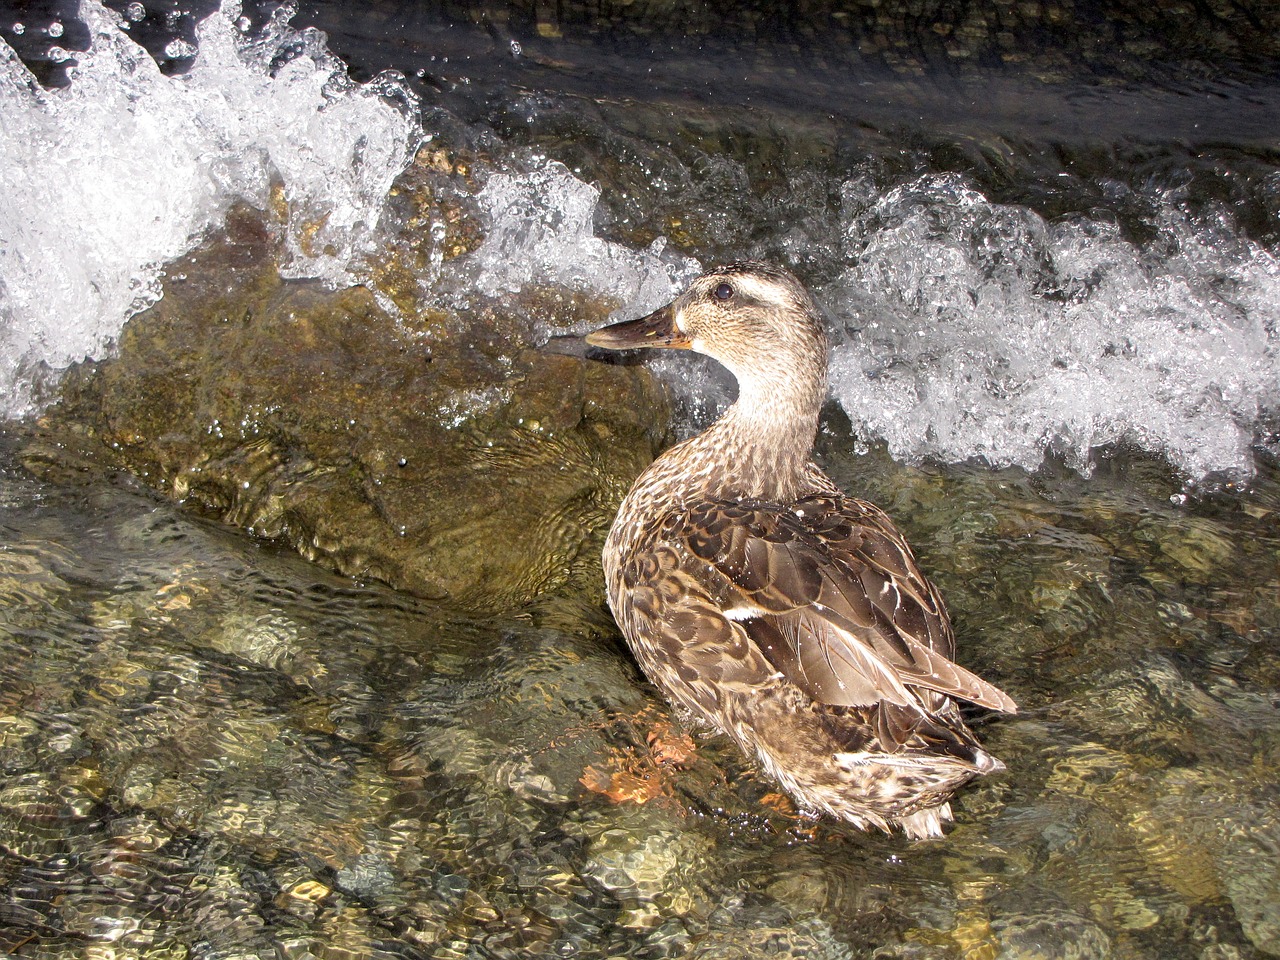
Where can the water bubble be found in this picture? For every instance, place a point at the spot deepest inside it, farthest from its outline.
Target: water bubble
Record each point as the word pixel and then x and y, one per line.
pixel 243 24
pixel 54 30
pixel 19 28
pixel 135 12
pixel 179 49
pixel 516 49
pixel 58 55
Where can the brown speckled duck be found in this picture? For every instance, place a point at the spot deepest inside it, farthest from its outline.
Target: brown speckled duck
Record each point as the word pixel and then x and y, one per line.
pixel 761 599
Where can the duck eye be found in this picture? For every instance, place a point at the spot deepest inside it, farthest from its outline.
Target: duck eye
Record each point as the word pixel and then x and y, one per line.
pixel 723 292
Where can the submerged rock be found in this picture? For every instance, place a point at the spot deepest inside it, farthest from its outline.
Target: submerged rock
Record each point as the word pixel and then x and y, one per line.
pixel 442 453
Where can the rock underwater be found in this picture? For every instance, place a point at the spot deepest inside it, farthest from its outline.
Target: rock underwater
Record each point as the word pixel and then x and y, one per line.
pixel 441 452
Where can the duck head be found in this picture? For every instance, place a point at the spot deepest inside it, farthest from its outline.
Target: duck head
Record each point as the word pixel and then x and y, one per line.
pixel 760 323
pixel 754 318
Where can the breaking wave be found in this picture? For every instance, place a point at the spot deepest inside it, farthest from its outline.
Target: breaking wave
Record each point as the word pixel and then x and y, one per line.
pixel 121 171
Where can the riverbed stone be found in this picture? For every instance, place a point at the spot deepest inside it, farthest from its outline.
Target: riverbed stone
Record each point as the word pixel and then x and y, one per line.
pixel 440 451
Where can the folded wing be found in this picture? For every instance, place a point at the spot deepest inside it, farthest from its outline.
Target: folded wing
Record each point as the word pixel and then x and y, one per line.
pixel 831 594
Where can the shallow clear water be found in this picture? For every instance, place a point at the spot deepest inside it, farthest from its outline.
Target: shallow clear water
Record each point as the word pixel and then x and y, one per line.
pixel 211 748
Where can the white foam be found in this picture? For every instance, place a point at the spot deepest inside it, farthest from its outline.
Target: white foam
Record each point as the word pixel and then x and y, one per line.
pixel 974 329
pixel 122 170
pixel 969 329
pixel 963 328
pixel 540 229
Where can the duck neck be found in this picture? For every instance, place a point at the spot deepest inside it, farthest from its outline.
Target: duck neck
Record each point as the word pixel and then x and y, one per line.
pixel 765 438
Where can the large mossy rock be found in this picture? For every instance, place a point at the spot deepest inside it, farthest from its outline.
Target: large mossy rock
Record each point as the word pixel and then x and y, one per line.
pixel 444 455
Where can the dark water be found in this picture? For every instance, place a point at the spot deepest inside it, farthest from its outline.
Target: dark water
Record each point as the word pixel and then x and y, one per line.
pixel 210 748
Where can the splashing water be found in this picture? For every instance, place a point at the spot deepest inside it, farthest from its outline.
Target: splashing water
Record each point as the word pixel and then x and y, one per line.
pixel 966 329
pixel 120 172
pixel 541 230
pixel 963 328
pixel 974 329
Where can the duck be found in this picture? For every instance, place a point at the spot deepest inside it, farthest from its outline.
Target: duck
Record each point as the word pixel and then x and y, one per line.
pixel 767 604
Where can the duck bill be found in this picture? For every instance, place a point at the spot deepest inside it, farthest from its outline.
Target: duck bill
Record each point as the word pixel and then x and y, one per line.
pixel 658 329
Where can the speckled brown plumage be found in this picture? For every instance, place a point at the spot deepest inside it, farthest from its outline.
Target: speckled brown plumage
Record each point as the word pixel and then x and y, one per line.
pixel 760 598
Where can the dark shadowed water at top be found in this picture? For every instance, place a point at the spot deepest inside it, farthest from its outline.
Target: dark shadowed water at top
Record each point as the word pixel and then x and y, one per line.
pixel 1047 241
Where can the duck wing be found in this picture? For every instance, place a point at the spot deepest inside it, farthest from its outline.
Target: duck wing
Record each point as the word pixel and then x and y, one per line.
pixel 829 592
